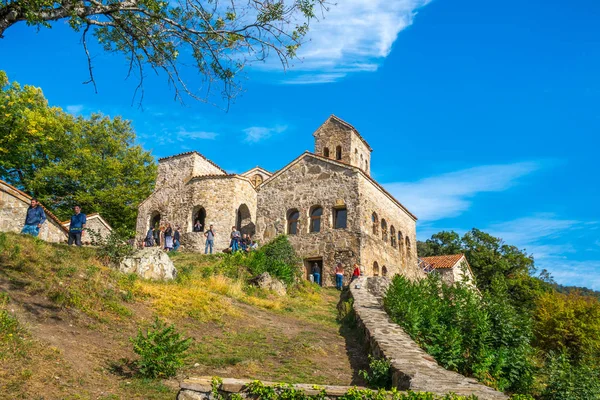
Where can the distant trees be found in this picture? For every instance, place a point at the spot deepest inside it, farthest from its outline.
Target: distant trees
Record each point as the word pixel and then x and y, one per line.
pixel 65 160
pixel 216 39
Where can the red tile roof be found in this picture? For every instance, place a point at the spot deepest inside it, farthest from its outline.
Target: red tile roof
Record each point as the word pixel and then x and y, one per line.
pixel 443 262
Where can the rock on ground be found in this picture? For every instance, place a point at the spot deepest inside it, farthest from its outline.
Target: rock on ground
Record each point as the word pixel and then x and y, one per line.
pixel 149 263
pixel 265 281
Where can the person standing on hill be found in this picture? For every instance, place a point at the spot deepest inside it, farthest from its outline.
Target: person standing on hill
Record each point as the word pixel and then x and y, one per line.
pixel 235 239
pixel 210 240
pixel 34 219
pixel 316 274
pixel 149 242
pixel 176 236
pixel 168 237
pixel 339 276
pixel 76 227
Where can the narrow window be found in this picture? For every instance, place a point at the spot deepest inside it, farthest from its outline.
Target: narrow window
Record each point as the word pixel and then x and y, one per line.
pixel 375 221
pixel 384 232
pixel 401 247
pixel 315 219
pixel 338 153
pixel 326 152
pixel 407 250
pixel 393 236
pixel 340 216
pixel 375 269
pixel 383 271
pixel 292 222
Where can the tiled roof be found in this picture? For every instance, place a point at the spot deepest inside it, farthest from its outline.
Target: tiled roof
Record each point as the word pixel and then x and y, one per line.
pixel 28 197
pixel 191 152
pixel 346 124
pixel 443 262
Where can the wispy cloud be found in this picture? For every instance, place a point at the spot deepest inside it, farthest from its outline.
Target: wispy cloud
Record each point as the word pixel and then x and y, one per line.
pixel 195 135
pixel 75 108
pixel 451 194
pixel 353 36
pixel 255 134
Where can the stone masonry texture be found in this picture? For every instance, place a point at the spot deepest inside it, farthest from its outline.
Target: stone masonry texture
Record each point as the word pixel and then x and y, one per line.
pixel 412 368
pixel 188 182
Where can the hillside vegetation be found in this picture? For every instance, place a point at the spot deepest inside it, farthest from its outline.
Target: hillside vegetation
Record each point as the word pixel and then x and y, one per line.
pixel 66 321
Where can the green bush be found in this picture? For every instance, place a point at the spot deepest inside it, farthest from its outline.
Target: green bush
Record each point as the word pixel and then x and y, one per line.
pixel 571 380
pixel 114 248
pixel 162 350
pixel 379 375
pixel 477 335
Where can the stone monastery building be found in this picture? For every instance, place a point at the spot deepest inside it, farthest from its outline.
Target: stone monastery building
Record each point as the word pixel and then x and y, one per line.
pixel 326 201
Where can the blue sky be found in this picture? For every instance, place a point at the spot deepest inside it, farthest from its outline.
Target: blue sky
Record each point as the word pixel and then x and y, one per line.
pixel 481 114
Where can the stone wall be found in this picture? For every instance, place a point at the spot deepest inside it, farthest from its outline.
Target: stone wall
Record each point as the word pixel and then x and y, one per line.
pixel 221 196
pixel 178 169
pixel 308 183
pixel 13 209
pixel 200 388
pixel 94 223
pixel 412 368
pixel 397 257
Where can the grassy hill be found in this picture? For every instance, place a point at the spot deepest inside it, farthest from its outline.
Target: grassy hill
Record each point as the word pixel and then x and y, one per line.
pixel 66 320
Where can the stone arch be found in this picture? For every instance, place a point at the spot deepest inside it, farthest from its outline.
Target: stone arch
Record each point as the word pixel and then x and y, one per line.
pixel 243 220
pixel 375 269
pixel 338 152
pixel 326 152
pixel 375 221
pixel 199 214
pixel 154 220
pixel 293 221
pixel 316 219
pixel 384 271
pixel 384 231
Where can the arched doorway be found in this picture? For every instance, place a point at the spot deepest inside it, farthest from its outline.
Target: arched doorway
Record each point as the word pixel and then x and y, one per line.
pixel 375 269
pixel 154 220
pixel 243 220
pixel 198 219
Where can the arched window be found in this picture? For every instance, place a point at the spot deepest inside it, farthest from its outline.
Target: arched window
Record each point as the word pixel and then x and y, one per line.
pixel 393 236
pixel 338 153
pixel 384 232
pixel 155 219
pixel 375 269
pixel 256 180
pixel 366 165
pixel 375 221
pixel 198 219
pixel 401 247
pixel 243 221
pixel 292 222
pixel 383 271
pixel 326 152
pixel 408 250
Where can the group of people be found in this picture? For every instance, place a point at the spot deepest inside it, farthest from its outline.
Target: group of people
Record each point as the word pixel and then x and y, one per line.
pixel 338 272
pixel 164 236
pixel 35 218
pixel 241 242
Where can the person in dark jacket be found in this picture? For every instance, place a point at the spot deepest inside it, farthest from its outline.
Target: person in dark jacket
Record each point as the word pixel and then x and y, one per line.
pixel 176 243
pixel 76 227
pixel 34 219
pixel 150 237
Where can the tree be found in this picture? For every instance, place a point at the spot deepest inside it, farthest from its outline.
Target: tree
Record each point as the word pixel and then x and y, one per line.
pixel 219 38
pixel 63 160
pixel 441 243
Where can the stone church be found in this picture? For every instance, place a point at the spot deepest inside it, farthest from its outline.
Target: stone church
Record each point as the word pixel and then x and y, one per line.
pixel 326 202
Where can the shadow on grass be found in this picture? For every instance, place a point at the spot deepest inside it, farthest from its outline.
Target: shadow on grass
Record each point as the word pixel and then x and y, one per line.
pixel 356 349
pixel 124 367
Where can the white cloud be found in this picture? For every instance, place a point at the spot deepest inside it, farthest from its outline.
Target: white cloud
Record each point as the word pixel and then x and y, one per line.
pixel 195 135
pixel 353 36
pixel 255 134
pixel 450 194
pixel 75 108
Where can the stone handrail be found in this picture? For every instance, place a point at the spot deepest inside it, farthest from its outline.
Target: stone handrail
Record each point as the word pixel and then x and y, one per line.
pixel 412 368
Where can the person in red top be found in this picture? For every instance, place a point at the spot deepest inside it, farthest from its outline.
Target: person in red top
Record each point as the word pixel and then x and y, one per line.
pixel 355 273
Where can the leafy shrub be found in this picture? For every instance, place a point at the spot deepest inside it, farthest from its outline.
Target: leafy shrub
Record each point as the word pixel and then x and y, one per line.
pixel 162 350
pixel 379 375
pixel 571 380
pixel 114 248
pixel 477 335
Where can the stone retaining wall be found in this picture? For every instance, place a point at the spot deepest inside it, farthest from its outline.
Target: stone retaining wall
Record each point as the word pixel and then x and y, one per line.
pixel 412 368
pixel 201 388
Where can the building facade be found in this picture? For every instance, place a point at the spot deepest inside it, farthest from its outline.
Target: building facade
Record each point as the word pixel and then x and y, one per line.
pixel 13 209
pixel 326 202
